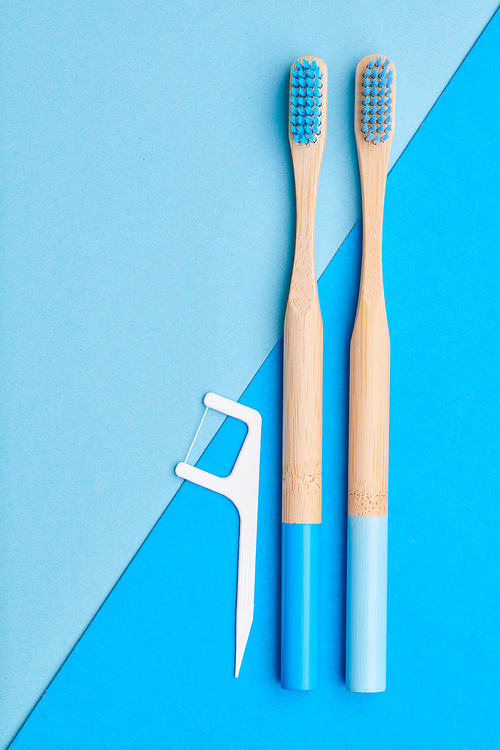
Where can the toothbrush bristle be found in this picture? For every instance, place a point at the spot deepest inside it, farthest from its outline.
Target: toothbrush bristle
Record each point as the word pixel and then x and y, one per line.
pixel 376 107
pixel 305 101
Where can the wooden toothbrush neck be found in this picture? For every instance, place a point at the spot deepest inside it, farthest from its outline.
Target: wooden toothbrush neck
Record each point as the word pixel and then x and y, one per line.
pixel 306 166
pixel 373 180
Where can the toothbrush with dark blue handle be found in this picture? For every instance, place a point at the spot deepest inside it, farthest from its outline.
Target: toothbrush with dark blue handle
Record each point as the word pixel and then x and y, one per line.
pixel 302 393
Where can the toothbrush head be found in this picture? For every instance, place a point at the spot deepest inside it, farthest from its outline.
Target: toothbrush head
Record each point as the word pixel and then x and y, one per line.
pixel 307 110
pixel 375 88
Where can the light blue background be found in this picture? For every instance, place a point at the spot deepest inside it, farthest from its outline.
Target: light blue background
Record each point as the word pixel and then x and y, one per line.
pixel 155 667
pixel 147 231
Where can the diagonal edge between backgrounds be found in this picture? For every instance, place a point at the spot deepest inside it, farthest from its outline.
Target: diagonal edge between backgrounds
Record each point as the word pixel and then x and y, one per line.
pixel 408 144
pixel 359 217
pixel 17 732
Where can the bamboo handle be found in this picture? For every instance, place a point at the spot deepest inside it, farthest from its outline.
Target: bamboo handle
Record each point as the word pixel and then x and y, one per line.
pixel 302 417
pixel 369 411
pixel 303 343
pixel 370 356
pixel 370 346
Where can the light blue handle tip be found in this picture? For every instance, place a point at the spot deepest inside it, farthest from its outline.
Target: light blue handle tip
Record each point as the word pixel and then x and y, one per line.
pixel 366 603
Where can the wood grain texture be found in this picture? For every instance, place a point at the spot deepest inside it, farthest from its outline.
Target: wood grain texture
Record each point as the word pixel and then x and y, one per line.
pixel 303 343
pixel 370 346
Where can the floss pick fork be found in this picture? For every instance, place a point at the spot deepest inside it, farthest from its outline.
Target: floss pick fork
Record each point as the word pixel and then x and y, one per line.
pixel 241 486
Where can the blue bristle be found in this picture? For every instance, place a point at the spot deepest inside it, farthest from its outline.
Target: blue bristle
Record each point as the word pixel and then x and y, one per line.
pixel 376 120
pixel 305 101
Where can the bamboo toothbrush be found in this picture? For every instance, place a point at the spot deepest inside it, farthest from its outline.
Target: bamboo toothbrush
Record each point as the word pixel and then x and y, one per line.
pixel 369 393
pixel 302 391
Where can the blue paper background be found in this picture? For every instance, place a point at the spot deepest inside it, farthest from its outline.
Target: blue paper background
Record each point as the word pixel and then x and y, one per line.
pixel 147 231
pixel 154 668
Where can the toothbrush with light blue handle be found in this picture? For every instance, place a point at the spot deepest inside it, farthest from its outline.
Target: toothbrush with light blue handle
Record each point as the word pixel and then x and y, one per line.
pixel 369 394
pixel 302 393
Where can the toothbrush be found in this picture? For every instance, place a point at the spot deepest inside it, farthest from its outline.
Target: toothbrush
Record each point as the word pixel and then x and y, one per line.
pixel 369 393
pixel 302 391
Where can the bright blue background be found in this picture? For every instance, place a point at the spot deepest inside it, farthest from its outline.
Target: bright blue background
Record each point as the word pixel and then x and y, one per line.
pixel 154 669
